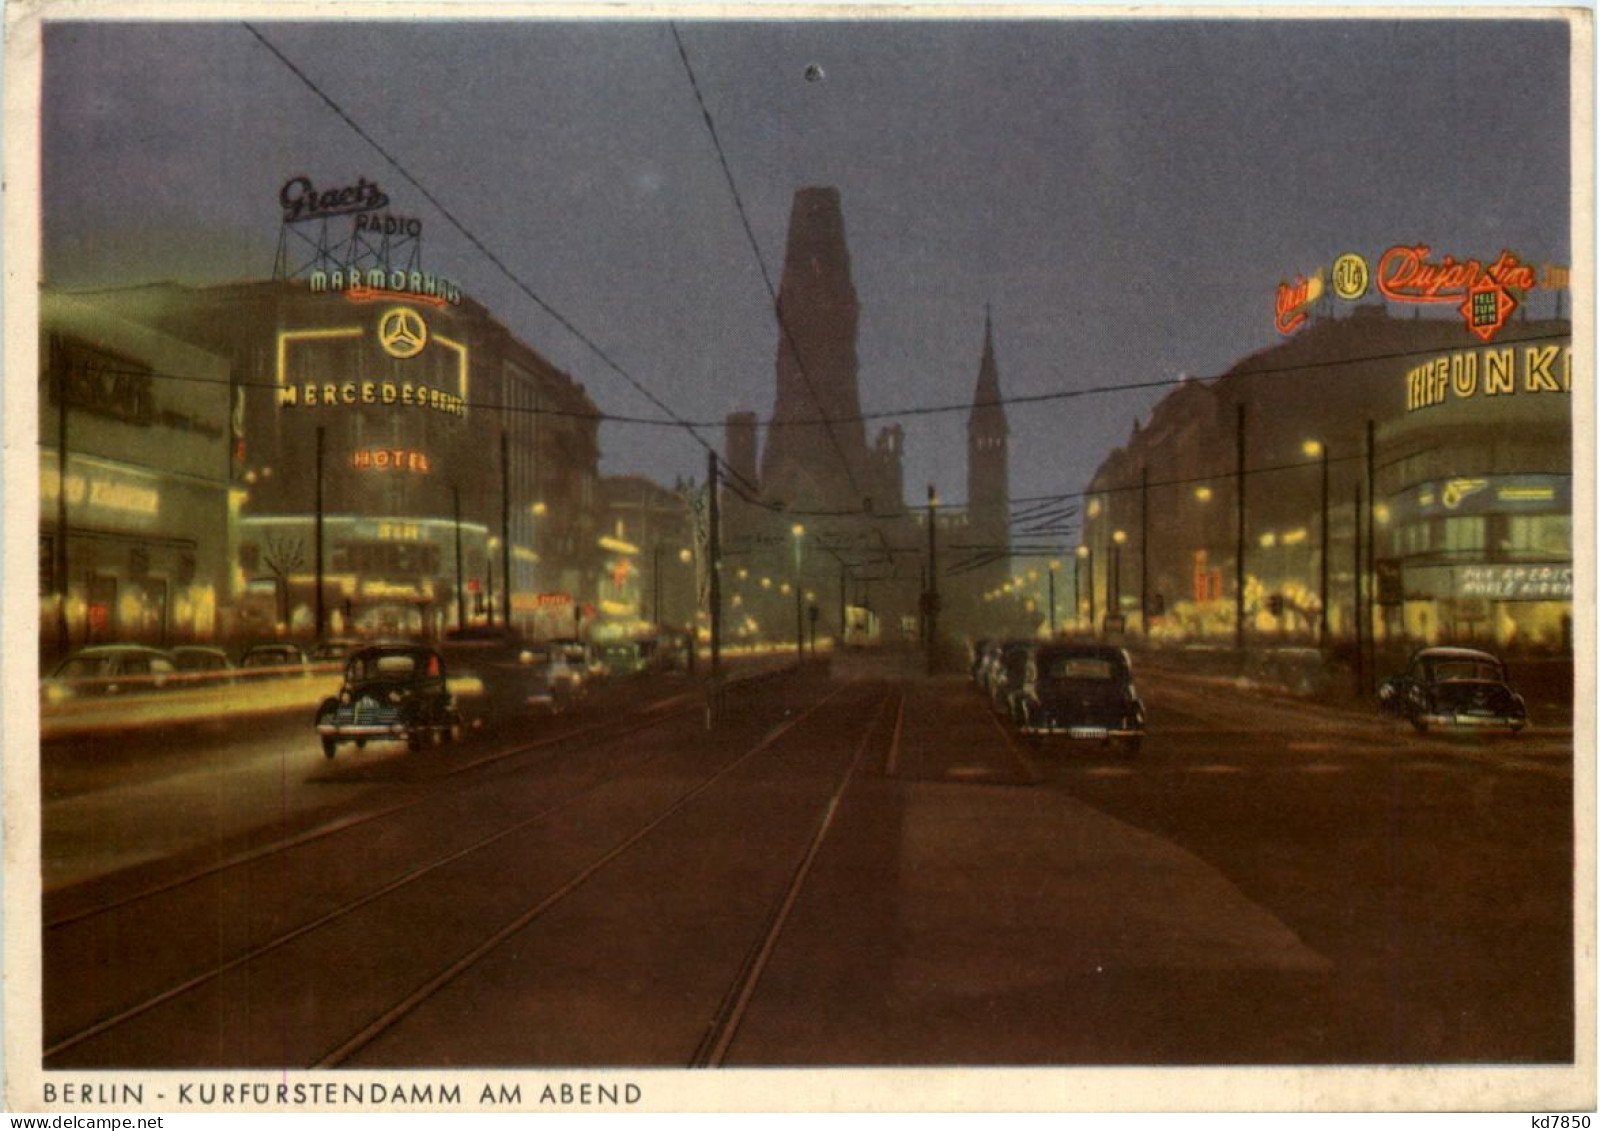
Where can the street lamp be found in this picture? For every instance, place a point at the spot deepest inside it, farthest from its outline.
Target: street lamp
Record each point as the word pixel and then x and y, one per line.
pixel 1114 597
pixel 1316 449
pixel 1085 560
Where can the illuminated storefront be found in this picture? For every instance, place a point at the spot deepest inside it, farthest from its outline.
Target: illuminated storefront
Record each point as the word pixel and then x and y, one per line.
pixel 134 523
pixel 1477 538
pixel 1468 536
pixel 440 453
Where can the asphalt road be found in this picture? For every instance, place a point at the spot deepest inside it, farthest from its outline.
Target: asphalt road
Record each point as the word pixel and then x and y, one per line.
pixel 859 865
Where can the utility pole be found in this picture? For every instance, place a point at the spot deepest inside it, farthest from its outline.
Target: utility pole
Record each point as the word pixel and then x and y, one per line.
pixel 841 603
pixel 933 580
pixel 1322 578
pixel 317 573
pixel 655 584
pixel 62 588
pixel 714 548
pixel 461 595
pixel 1144 552
pixel 1238 544
pixel 505 526
pixel 799 533
pixel 1361 679
pixel 1371 576
pixel 1052 601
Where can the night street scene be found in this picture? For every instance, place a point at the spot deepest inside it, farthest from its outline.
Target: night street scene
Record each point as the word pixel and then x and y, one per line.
pixel 642 544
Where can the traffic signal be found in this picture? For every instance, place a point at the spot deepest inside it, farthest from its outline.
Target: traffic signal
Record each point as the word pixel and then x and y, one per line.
pixel 1275 604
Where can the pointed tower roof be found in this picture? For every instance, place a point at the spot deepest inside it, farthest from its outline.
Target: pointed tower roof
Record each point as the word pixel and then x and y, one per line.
pixel 988 414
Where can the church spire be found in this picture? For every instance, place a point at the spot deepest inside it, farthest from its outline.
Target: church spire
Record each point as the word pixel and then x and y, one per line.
pixel 988 419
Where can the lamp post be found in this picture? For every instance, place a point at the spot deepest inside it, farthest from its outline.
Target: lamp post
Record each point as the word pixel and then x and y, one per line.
pixel 799 533
pixel 1316 449
pixel 1055 564
pixel 1085 562
pixel 1114 585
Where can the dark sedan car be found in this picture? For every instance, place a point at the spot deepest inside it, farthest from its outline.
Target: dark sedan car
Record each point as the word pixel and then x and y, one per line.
pixel 1453 688
pixel 390 691
pixel 1080 691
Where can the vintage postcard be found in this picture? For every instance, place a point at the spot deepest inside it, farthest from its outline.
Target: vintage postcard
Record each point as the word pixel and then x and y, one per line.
pixel 650 558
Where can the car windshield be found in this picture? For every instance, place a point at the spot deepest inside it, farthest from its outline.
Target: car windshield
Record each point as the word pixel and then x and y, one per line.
pixel 1447 670
pixel 268 658
pixel 1080 667
pixel 392 665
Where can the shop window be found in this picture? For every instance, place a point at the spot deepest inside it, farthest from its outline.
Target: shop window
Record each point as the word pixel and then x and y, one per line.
pixel 1413 538
pixel 1464 533
pixel 1544 534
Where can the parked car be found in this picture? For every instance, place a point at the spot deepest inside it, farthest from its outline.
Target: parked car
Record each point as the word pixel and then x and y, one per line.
pixel 1453 688
pixel 390 691
pixel 273 656
pixel 1082 691
pixel 334 651
pixel 975 660
pixel 622 658
pixel 201 665
pixel 1300 671
pixel 1007 673
pixel 585 658
pixel 109 669
pixel 554 682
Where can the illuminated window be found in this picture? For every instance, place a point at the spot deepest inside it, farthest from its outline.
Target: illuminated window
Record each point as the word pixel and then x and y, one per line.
pixel 1538 534
pixel 1464 533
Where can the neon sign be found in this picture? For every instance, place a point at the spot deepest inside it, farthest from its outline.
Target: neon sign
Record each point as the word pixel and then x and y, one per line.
pixel 302 201
pixel 376 284
pixel 1489 373
pixel 390 459
pixel 1481 294
pixel 1295 299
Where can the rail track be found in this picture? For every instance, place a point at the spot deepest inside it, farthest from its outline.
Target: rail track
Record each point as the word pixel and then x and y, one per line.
pixel 631 789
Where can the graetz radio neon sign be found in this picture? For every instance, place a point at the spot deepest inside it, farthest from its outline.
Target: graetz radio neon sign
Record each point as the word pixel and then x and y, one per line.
pixel 1481 294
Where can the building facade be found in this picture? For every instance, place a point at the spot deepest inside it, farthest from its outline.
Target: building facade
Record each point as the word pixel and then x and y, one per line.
pixel 409 437
pixel 1375 455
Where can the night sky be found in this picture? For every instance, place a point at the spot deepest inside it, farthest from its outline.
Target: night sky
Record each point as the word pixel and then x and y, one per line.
pixel 1125 195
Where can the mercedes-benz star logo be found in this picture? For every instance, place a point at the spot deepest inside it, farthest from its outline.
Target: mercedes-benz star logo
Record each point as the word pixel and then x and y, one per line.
pixel 402 332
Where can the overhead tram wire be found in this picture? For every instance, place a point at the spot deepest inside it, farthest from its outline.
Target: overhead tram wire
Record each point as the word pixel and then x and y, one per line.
pixel 766 275
pixel 483 249
pixel 882 414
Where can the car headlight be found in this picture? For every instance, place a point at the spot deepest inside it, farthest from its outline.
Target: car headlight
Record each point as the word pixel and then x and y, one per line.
pixel 344 696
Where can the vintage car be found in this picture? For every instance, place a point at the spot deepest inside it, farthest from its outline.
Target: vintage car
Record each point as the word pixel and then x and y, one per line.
pixel 1453 688
pixel 1080 691
pixel 110 669
pixel 287 657
pixel 1006 674
pixel 202 666
pixel 394 691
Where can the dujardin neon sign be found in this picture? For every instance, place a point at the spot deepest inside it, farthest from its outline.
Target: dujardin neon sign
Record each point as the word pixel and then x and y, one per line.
pixel 1482 293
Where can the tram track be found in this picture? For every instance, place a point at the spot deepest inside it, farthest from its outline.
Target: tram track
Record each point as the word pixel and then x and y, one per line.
pixel 721 1033
pixel 242 962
